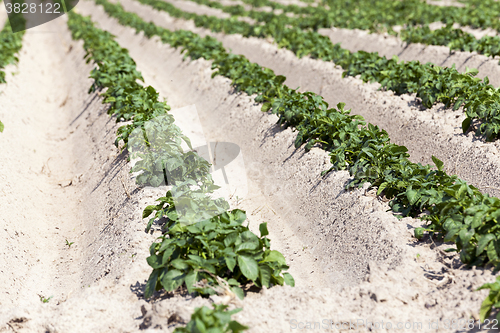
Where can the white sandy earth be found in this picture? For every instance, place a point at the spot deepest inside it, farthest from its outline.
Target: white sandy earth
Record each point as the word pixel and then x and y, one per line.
pixel 63 181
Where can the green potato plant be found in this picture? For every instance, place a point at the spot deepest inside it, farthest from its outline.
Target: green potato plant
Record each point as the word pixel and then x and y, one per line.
pixel 216 320
pixel 221 246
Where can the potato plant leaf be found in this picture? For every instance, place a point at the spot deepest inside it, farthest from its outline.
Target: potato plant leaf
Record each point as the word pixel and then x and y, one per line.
pixel 248 267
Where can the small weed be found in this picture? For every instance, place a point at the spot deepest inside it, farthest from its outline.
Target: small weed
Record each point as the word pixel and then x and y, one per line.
pixel 69 244
pixel 43 299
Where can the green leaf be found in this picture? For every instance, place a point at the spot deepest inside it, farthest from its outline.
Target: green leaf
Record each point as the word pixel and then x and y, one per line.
pixel 298 140
pixel 451 250
pixel 419 233
pixel 172 280
pixel 239 215
pixel 413 196
pixel 230 239
pixel 246 246
pixel 483 242
pixel 166 254
pixel 155 261
pixel 466 124
pixel 275 256
pixel 486 306
pixel 263 229
pixel 451 234
pixel 179 264
pixel 458 103
pixel 461 191
pixel 191 279
pixel 148 210
pixel 151 284
pixel 230 262
pixel 289 280
pixel 236 327
pixel 1 127
pixel 265 273
pixel 439 164
pixel 382 187
pixel 238 292
pixel 248 267
pixel 266 107
pixel 491 251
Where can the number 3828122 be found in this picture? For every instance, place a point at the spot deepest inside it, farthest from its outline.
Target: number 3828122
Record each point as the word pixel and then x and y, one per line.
pixel 33 8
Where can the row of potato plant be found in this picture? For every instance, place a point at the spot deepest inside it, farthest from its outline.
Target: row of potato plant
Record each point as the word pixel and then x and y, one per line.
pixel 453 38
pixel 429 82
pixel 454 210
pixel 196 254
pixel 384 15
pixel 10 44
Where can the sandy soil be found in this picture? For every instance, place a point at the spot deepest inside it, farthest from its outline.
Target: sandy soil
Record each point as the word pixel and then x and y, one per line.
pixel 190 6
pixel 351 259
pixel 292 2
pixel 3 16
pixel 445 3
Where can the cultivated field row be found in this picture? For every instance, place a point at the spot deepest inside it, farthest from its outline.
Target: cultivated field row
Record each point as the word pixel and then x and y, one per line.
pixel 349 256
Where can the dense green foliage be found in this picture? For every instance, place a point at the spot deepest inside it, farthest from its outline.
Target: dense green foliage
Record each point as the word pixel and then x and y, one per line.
pixel 216 320
pixel 197 254
pixel 204 241
pixel 429 82
pixel 457 211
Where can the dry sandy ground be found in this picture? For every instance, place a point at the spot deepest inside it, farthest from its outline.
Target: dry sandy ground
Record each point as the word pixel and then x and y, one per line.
pixel 445 3
pixel 3 17
pixel 351 259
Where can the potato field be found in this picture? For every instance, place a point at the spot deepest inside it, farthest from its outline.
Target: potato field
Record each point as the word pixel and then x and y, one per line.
pixel 249 166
